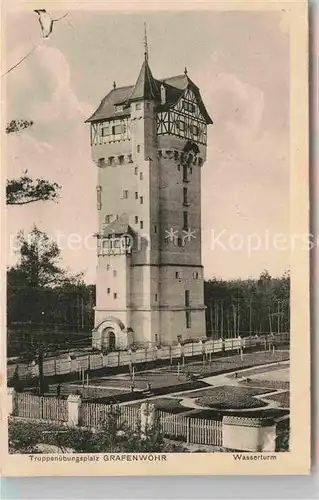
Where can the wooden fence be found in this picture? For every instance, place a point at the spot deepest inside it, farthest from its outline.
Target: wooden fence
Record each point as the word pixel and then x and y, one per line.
pixel 98 361
pixel 191 430
pixel 35 407
pixel 94 416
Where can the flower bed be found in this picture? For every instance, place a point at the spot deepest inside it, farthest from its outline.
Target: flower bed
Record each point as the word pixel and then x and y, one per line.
pixel 232 398
pixel 218 414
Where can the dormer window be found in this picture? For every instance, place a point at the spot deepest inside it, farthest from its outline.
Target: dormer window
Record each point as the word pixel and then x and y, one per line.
pixel 119 108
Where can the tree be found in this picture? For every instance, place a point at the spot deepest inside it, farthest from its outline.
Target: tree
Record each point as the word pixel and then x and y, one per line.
pixel 30 286
pixel 38 263
pixel 16 126
pixel 24 189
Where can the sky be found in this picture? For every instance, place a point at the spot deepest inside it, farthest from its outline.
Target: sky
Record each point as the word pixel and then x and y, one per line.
pixel 239 60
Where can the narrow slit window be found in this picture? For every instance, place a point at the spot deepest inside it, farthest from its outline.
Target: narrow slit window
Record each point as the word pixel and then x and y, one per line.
pixel 185 196
pixel 185 220
pixel 188 319
pixel 185 173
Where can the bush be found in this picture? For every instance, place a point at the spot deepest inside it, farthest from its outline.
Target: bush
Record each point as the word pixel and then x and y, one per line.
pixel 113 437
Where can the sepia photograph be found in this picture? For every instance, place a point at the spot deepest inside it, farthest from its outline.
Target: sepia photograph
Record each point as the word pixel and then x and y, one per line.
pixel 149 243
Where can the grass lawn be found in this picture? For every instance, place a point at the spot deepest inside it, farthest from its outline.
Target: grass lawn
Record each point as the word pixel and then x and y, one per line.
pixel 229 363
pixel 283 398
pixel 233 398
pixel 269 384
pixel 155 378
pixel 259 369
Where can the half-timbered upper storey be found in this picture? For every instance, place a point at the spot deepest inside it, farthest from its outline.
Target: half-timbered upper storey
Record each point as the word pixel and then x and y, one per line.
pixel 179 109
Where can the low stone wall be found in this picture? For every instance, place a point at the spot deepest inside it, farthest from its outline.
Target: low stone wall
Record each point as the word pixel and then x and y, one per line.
pixel 249 434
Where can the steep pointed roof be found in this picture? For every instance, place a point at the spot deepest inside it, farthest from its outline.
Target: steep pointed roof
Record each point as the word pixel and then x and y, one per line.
pixel 106 108
pixel 146 86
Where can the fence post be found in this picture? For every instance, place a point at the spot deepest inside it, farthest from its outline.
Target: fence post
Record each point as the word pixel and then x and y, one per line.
pixel 188 428
pixel 74 404
pixel 10 400
pixel 147 415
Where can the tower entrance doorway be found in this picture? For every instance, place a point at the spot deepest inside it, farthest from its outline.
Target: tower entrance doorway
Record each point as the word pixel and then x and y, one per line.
pixel 109 339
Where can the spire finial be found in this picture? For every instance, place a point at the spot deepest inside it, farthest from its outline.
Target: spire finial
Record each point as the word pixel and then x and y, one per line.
pixel 114 84
pixel 145 44
pixel 185 71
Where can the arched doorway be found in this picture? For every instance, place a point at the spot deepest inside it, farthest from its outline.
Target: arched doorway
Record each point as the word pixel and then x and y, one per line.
pixel 112 341
pixel 109 339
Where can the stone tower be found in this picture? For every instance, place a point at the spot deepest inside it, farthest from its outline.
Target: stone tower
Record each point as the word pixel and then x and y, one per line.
pixel 148 142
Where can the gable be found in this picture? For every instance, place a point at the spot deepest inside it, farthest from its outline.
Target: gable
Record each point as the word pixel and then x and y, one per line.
pixel 188 105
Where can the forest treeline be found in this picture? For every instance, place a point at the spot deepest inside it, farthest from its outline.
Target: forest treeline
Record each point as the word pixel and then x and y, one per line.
pixel 247 307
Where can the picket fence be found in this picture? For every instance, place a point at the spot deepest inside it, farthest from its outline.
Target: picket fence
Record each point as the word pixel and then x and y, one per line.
pixel 35 407
pixel 92 415
pixel 191 430
pixel 99 360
